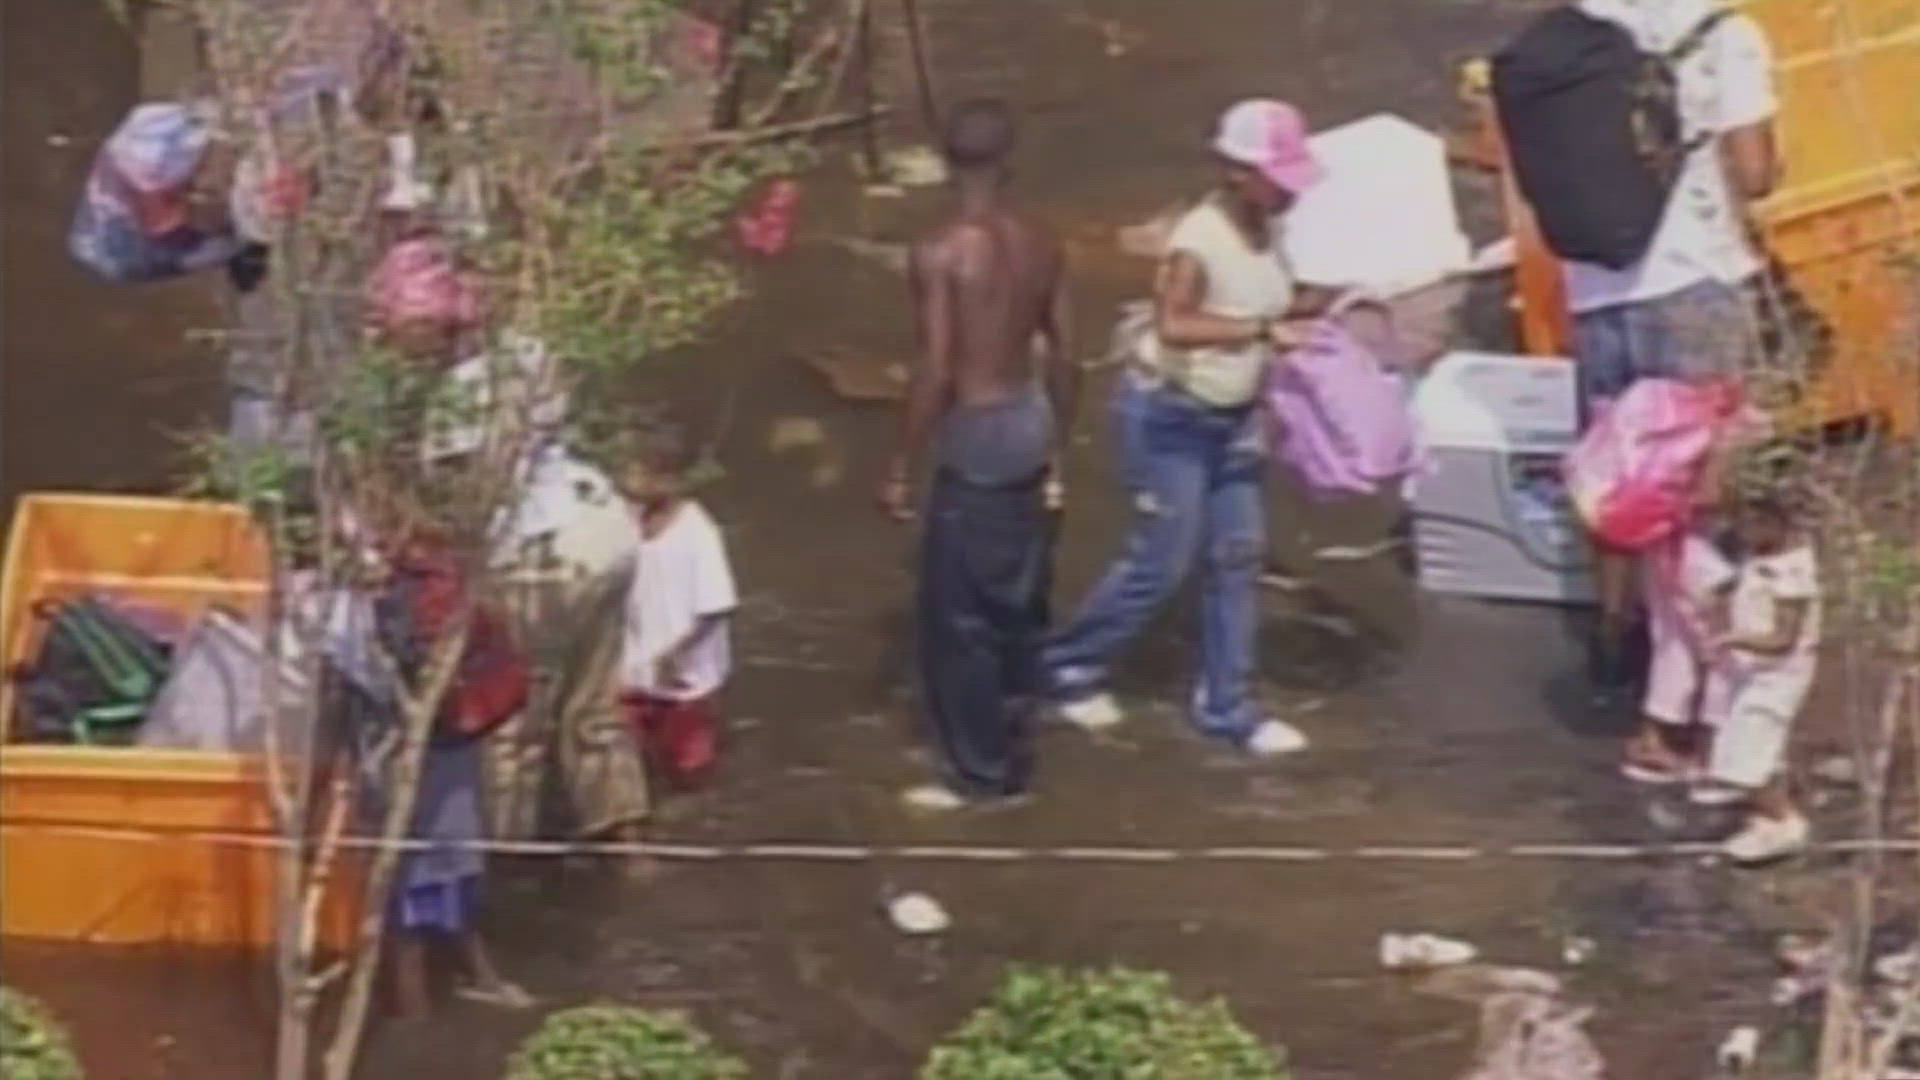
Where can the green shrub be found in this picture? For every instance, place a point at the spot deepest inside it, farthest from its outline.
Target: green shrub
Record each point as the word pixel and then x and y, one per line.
pixel 1046 1024
pixel 617 1042
pixel 32 1045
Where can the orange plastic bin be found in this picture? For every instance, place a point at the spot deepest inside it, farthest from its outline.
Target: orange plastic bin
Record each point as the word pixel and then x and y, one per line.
pixel 68 867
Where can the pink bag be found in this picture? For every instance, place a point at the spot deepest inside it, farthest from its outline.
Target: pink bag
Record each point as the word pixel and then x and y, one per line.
pixel 1632 476
pixel 1340 420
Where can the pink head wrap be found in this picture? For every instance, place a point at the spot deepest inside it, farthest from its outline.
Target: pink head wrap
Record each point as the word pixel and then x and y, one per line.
pixel 419 280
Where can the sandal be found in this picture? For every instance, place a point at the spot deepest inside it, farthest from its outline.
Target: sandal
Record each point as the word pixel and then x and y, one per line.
pixel 1643 770
pixel 501 995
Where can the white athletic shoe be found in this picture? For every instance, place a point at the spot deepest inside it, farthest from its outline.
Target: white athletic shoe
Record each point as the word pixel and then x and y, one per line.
pixel 1766 839
pixel 1095 712
pixel 1275 738
pixel 936 798
pixel 1717 795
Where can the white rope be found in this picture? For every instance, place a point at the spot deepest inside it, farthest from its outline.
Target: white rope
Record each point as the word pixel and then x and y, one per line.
pixel 961 853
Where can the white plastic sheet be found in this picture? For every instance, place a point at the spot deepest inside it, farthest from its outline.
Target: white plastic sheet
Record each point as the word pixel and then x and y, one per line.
pixel 1384 218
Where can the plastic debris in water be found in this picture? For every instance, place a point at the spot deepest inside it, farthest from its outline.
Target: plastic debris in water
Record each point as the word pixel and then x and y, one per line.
pixel 916 166
pixel 1399 952
pixel 1739 1050
pixel 1899 968
pixel 1577 951
pixel 1534 1037
pixel 918 914
pixel 1790 990
pixel 1478 983
pixel 891 257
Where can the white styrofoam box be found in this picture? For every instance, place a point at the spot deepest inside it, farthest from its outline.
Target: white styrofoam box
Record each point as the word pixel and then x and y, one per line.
pixel 1491 514
pixel 1491 401
pixel 1384 218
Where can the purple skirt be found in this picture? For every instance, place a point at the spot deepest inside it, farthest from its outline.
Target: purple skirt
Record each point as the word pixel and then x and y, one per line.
pixel 444 907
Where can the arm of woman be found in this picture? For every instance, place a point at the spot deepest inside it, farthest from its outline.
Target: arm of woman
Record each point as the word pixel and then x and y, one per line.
pixel 1179 291
pixel 1313 301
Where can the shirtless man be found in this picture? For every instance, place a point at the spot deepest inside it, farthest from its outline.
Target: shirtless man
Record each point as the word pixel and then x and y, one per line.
pixel 991 418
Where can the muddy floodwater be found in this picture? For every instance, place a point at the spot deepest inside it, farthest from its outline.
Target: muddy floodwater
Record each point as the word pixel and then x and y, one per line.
pixel 1434 723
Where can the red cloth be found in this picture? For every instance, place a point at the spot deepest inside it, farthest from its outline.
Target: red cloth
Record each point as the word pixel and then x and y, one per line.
pixel 679 737
pixel 493 679
pixel 767 228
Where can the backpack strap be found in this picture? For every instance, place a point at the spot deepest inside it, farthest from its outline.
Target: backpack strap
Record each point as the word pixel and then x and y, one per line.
pixel 1695 39
pixel 1690 43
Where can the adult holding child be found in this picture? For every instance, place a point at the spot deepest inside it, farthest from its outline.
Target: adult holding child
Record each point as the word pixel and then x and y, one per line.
pixel 563 552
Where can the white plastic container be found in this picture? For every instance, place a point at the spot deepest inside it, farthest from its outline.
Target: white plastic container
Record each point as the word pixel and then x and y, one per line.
pixel 1384 217
pixel 1491 514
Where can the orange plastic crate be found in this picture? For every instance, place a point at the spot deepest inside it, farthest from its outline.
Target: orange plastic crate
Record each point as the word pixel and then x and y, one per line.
pixel 67 868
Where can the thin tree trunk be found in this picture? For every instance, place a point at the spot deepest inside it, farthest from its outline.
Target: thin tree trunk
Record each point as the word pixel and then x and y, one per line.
pixel 870 133
pixel 289 798
pixel 733 90
pixel 418 712
pixel 922 65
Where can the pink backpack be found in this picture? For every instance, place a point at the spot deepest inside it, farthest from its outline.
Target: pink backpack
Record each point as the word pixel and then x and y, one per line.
pixel 1341 421
pixel 1632 475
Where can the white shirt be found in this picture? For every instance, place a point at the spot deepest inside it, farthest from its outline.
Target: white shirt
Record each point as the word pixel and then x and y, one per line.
pixel 482 391
pixel 572 506
pixel 681 577
pixel 1243 283
pixel 1725 84
pixel 1766 582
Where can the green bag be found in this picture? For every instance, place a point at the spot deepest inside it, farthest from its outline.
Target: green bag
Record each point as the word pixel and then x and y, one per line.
pixel 97 673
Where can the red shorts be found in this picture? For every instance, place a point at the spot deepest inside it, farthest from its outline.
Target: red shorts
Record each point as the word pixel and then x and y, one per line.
pixel 678 737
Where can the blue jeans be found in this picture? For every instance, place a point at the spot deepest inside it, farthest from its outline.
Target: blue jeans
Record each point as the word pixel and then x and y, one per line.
pixel 1703 331
pixel 984 575
pixel 1194 475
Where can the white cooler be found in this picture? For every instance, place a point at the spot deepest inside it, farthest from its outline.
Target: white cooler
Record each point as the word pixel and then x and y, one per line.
pixel 1491 514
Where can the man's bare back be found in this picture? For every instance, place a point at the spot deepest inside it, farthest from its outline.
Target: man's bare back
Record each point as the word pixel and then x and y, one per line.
pixel 989 283
pixel 988 287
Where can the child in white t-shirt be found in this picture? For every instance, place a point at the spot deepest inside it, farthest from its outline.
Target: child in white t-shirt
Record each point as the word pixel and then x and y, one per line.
pixel 677 652
pixel 1763 668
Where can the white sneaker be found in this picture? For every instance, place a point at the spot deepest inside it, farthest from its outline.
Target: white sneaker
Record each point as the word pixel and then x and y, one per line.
pixel 938 798
pixel 1095 712
pixel 1275 738
pixel 1765 839
pixel 1717 795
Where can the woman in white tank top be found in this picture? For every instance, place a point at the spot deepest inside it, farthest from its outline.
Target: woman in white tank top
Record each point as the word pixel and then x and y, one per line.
pixel 1191 453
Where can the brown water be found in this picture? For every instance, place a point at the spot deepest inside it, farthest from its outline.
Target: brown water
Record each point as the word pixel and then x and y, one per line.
pixel 1434 722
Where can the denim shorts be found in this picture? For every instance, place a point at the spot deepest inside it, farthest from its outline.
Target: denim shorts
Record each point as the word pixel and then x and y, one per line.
pixel 1700 332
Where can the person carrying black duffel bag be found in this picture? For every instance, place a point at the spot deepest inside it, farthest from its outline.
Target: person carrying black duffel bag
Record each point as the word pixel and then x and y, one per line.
pixel 1641 131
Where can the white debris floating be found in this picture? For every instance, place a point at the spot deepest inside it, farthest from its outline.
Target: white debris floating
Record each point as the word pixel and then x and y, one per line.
pixel 918 914
pixel 1740 1050
pixel 1404 952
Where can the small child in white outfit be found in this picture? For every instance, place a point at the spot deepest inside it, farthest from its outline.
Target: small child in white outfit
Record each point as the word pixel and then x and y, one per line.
pixel 1763 664
pixel 677 652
